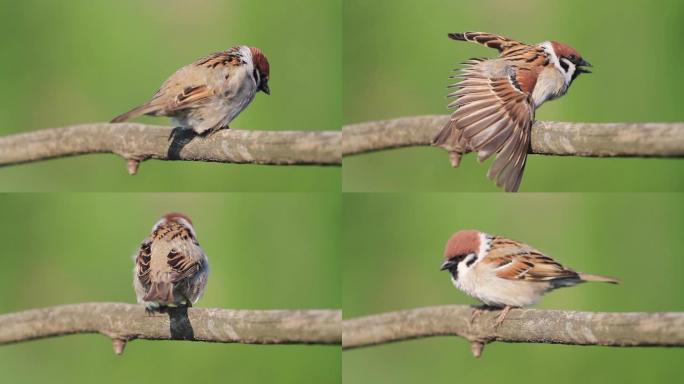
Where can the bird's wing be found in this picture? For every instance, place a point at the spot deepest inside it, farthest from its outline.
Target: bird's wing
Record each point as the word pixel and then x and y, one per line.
pixel 142 262
pixel 516 261
pixel 190 86
pixel 176 253
pixel 184 261
pixel 489 40
pixel 494 114
pixel 173 96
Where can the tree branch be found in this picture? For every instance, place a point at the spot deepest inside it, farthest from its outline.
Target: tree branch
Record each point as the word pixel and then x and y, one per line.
pixel 618 329
pixel 548 137
pixel 124 322
pixel 138 142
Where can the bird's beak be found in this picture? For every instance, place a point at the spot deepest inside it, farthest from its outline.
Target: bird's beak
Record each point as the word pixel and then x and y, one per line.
pixel 264 88
pixel 448 265
pixel 584 63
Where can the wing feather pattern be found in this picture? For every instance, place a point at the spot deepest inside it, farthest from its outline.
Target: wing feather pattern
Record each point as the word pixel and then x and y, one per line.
pixel 516 261
pixel 493 116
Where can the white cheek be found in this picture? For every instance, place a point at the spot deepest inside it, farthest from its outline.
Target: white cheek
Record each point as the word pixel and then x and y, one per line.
pixel 571 70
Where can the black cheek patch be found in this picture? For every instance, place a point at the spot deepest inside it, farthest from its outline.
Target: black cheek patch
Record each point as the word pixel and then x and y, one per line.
pixel 471 261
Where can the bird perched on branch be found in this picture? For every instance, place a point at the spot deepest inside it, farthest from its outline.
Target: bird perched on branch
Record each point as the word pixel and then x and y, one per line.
pixel 505 273
pixel 208 94
pixel 170 267
pixel 496 100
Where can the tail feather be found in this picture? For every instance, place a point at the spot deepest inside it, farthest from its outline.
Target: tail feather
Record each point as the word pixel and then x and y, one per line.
pixel 448 138
pixel 604 279
pixel 135 112
pixel 443 135
pixel 161 292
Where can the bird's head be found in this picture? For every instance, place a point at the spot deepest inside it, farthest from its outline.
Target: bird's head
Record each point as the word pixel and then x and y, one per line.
pixel 175 217
pixel 261 70
pixel 178 217
pixel 569 61
pixel 462 248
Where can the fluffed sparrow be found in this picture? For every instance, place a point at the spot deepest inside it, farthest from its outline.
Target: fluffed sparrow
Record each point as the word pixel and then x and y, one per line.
pixel 170 267
pixel 505 273
pixel 497 98
pixel 209 93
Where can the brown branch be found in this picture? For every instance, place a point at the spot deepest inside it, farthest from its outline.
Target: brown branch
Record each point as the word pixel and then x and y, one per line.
pixel 548 137
pixel 618 329
pixel 138 142
pixel 124 322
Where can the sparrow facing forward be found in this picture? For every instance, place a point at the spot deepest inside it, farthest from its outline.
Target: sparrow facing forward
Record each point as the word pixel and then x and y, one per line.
pixel 209 93
pixel 497 99
pixel 170 268
pixel 505 273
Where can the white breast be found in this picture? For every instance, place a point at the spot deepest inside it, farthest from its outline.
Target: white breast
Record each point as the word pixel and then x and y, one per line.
pixel 480 281
pixel 550 84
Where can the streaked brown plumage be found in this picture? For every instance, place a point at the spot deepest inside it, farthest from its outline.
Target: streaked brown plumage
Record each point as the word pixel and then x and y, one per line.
pixel 170 267
pixel 209 93
pixel 497 98
pixel 505 273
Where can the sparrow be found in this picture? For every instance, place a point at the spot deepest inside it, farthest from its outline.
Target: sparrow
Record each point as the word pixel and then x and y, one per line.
pixel 505 273
pixel 208 94
pixel 170 267
pixel 497 98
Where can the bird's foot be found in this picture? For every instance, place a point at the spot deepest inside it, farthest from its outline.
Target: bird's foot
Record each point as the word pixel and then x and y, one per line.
pixel 477 311
pixel 153 308
pixel 502 316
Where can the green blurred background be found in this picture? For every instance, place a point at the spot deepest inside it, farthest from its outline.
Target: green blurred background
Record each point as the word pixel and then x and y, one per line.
pixel 267 251
pixel 80 61
pixel 397 59
pixel 392 249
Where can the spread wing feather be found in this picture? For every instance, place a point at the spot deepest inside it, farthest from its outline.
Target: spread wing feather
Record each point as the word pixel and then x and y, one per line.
pixel 493 116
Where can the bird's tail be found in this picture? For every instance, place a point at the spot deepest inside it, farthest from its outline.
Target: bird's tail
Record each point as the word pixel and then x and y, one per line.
pixel 160 292
pixel 489 40
pixel 135 112
pixel 604 279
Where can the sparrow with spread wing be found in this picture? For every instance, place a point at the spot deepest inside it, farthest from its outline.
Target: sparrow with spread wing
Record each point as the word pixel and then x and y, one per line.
pixel 170 267
pixel 496 100
pixel 208 94
pixel 505 273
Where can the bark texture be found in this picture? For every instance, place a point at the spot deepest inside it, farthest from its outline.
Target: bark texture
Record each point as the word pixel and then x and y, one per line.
pixel 124 322
pixel 548 137
pixel 137 142
pixel 617 329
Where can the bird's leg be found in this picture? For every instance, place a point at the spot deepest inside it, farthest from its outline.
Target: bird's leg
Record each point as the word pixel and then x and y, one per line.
pixel 502 316
pixel 477 311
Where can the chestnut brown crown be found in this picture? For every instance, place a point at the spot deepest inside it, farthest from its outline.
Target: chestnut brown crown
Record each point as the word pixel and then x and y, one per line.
pixel 567 52
pixel 175 216
pixel 462 243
